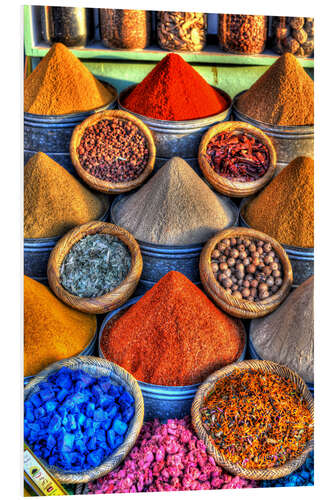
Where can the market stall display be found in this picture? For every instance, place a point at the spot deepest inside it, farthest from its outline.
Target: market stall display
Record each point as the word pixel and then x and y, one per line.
pixel 174 272
pixel 52 330
pixel 95 267
pixel 286 335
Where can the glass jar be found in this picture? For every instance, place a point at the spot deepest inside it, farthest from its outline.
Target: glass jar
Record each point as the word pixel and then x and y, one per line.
pixel 72 26
pixel 292 34
pixel 184 31
pixel 125 29
pixel 242 34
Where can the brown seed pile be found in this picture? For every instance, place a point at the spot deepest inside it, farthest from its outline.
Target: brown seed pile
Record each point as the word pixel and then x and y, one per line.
pixel 113 150
pixel 247 268
pixel 125 29
pixel 175 207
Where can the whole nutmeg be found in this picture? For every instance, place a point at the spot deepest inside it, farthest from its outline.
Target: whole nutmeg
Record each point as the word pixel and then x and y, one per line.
pixel 233 242
pixel 251 268
pixel 222 258
pixel 290 44
pixel 267 270
pixel 241 247
pixel 270 281
pixel 300 35
pixel 262 287
pixel 226 242
pixel 276 273
pixel 278 281
pixel 267 247
pixel 246 284
pixel 263 295
pixel 221 246
pixel 254 283
pixel 252 247
pixel 240 275
pixel 231 262
pixel 246 293
pixel 223 266
pixel 247 243
pixel 215 254
pixel 237 294
pixel 227 283
pixel 240 267
pixel 246 261
pixel 234 287
pixel 253 292
pixel 215 267
pixel 296 22
pixel 234 253
pixel 260 243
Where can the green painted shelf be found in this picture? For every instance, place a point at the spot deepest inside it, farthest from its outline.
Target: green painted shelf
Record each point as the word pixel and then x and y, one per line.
pixel 210 55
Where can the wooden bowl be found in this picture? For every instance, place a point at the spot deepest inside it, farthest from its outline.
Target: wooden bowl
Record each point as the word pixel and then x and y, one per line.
pixel 108 186
pixel 111 300
pixel 96 367
pixel 207 386
pixel 242 308
pixel 230 187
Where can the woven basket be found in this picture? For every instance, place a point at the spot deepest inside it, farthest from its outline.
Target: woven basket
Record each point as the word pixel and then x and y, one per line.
pixel 108 186
pixel 255 474
pixel 230 187
pixel 111 300
pixel 242 308
pixel 96 367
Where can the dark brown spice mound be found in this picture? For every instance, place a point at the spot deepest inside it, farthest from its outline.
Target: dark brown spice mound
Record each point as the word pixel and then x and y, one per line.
pixel 113 150
pixel 283 95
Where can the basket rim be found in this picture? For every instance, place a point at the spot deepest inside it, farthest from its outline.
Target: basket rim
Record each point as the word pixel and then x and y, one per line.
pixel 233 187
pixel 92 362
pixel 103 185
pixel 208 384
pixel 74 236
pixel 194 122
pixel 242 307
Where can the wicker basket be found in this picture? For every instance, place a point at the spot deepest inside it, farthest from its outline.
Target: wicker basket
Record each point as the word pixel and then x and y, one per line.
pixel 111 300
pixel 230 187
pixel 97 367
pixel 255 474
pixel 108 186
pixel 242 308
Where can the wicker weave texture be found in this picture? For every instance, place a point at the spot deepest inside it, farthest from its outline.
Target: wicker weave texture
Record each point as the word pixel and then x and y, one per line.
pixel 267 367
pixel 96 367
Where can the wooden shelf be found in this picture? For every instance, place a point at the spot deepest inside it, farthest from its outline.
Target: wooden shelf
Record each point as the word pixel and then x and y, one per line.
pixel 210 55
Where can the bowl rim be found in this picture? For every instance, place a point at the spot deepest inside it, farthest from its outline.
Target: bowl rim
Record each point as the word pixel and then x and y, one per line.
pixel 104 186
pixel 241 307
pixel 233 187
pixel 269 367
pixel 115 372
pixel 93 304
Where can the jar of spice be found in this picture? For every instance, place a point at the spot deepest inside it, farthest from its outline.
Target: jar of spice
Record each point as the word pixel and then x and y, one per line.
pixel 242 34
pixel 72 26
pixel 185 31
pixel 125 29
pixel 292 34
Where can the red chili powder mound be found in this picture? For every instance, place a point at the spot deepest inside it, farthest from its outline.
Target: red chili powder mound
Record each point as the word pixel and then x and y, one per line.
pixel 174 335
pixel 173 90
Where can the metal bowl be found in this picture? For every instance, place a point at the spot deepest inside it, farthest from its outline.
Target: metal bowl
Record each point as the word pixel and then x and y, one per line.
pixel 178 138
pixel 158 260
pixel 161 401
pixel 289 141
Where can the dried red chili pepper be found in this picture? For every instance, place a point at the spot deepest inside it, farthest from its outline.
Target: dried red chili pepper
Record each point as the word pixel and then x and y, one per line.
pixel 238 156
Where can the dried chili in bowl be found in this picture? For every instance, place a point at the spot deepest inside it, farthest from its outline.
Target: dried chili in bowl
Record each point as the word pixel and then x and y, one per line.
pixel 238 156
pixel 257 420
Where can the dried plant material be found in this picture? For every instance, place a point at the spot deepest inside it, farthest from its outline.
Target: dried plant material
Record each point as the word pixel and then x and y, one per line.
pixel 95 265
pixel 181 30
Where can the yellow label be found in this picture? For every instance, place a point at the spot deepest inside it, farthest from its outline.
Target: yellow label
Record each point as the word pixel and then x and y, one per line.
pixel 40 476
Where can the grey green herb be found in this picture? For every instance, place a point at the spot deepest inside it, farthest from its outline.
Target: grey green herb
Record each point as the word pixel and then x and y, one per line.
pixel 95 265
